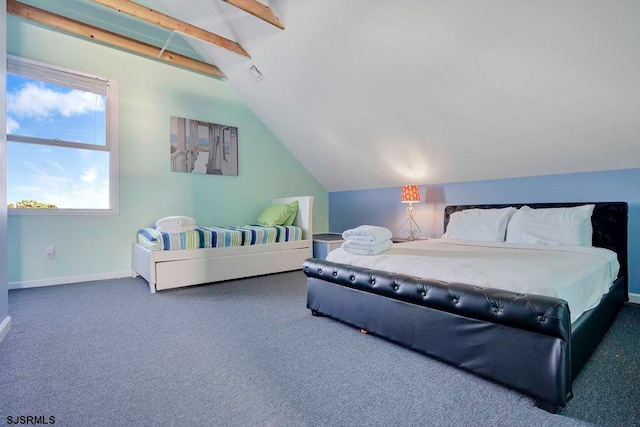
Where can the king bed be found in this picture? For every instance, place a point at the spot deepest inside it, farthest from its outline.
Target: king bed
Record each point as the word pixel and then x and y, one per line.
pixel 535 342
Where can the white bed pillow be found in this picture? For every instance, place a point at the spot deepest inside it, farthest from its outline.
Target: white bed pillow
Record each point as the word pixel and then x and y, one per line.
pixel 485 225
pixel 552 226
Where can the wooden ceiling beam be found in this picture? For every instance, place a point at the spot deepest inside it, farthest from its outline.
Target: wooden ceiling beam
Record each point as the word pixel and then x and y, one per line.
pixel 116 40
pixel 165 21
pixel 258 10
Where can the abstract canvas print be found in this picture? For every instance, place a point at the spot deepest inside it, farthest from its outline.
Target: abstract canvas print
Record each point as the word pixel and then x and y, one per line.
pixel 203 147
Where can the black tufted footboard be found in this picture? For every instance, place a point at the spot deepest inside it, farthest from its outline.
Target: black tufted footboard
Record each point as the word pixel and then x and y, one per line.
pixel 521 340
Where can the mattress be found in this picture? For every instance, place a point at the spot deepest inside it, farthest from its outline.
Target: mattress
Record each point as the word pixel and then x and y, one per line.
pixel 217 237
pixel 579 275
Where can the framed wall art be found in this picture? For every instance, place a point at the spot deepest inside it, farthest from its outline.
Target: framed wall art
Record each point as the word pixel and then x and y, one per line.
pixel 203 147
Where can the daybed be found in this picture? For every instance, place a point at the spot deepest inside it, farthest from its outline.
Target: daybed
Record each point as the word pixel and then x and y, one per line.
pixel 166 269
pixel 524 341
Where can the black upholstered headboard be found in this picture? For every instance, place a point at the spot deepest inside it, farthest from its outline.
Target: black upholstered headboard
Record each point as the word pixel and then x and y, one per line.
pixel 609 222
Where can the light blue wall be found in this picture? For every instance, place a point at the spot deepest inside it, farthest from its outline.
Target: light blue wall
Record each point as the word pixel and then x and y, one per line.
pixel 151 92
pixel 349 209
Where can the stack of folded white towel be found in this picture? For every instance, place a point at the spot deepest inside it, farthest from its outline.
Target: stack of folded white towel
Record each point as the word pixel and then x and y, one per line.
pixel 367 240
pixel 176 224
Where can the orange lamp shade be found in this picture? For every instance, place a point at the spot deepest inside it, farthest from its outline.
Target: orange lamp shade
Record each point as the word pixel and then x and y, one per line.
pixel 410 194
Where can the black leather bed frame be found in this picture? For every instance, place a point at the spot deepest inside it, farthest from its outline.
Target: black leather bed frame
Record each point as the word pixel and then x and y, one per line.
pixel 524 341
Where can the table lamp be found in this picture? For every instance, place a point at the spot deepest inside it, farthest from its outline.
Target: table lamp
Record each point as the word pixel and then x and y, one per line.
pixel 410 194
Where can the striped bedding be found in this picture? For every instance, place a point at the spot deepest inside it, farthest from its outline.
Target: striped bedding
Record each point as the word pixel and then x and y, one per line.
pixel 217 237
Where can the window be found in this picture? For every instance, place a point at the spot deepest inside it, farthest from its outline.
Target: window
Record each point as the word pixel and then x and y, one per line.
pixel 62 140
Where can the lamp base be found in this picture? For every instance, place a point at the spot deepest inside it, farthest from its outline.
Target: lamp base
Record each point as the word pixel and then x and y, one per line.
pixel 414 231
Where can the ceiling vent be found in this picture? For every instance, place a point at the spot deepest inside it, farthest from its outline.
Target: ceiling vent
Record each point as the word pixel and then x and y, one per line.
pixel 255 72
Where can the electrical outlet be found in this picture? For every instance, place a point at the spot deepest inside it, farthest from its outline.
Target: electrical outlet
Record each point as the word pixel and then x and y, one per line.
pixel 50 252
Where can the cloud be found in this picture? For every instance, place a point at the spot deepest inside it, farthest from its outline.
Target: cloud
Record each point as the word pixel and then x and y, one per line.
pixel 48 185
pixel 36 100
pixel 57 166
pixel 12 125
pixel 89 175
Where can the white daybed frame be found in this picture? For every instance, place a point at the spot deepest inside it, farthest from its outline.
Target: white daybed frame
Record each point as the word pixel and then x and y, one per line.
pixel 178 268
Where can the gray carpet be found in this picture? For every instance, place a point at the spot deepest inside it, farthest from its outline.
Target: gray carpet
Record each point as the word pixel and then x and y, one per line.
pixel 248 353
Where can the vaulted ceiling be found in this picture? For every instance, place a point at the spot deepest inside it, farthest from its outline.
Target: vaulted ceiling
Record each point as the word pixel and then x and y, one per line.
pixel 372 93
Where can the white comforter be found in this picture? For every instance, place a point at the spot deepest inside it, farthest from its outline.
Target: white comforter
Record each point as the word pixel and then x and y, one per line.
pixel 579 275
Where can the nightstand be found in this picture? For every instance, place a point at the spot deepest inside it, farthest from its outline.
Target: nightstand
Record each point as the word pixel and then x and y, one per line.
pixel 324 243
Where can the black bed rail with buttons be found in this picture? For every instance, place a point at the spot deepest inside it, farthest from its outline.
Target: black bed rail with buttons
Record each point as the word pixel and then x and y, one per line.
pixel 536 313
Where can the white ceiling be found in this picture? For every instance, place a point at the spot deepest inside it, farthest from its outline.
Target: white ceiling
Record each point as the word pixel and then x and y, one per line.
pixel 372 93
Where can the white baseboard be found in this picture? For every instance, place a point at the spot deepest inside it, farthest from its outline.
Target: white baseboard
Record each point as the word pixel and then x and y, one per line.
pixel 68 279
pixel 634 298
pixel 4 327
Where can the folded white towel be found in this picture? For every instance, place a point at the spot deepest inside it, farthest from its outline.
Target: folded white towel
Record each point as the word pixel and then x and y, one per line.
pixel 359 248
pixel 176 228
pixel 367 233
pixel 175 221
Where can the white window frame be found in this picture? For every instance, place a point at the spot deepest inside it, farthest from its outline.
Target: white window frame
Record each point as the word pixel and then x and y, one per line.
pixel 71 78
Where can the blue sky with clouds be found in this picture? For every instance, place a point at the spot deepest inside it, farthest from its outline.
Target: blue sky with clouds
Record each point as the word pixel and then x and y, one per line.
pixel 67 177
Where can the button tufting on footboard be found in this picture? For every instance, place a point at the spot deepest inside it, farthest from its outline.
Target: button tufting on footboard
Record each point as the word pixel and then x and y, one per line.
pixel 532 312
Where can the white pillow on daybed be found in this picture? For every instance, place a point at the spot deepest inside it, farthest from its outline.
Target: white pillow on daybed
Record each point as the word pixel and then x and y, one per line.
pixel 485 225
pixel 552 226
